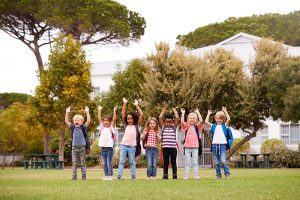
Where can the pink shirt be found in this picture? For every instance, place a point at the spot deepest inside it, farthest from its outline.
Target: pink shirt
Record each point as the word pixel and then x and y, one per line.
pixel 129 137
pixel 191 140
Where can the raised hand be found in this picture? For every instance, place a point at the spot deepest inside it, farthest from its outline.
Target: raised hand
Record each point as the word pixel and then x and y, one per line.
pixel 99 107
pixel 125 100
pixel 209 112
pixel 224 108
pixel 86 109
pixel 182 110
pixel 115 108
pixel 68 109
pixel 197 111
pixel 136 102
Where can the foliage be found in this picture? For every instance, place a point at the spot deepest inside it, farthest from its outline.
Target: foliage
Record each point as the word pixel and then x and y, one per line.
pixel 245 148
pixel 279 27
pixel 7 99
pixel 269 145
pixel 36 23
pixel 19 131
pixel 127 83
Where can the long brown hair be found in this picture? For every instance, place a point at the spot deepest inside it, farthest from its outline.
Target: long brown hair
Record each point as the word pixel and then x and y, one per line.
pixel 156 128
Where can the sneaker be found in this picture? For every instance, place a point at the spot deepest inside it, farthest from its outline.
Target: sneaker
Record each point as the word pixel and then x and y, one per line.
pixel 109 178
pixel 133 178
pixel 185 178
pixel 165 176
pixel 105 178
pixel 73 178
pixel 227 176
pixel 174 176
pixel 153 178
pixel 218 177
pixel 120 178
pixel 196 177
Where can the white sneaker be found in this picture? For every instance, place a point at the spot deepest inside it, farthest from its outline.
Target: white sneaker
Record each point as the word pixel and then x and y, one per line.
pixel 105 178
pixel 197 177
pixel 109 178
pixel 185 178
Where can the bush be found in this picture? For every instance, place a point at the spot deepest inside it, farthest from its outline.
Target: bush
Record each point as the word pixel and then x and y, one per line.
pixel 272 145
pixel 245 148
pixel 299 147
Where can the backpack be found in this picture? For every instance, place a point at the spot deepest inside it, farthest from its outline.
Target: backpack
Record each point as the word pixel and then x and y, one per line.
pixel 199 141
pixel 138 148
pixel 86 137
pixel 114 136
pixel 144 141
pixel 227 132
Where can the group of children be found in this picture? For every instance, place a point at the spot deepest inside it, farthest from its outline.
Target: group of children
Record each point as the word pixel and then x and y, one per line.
pixel 162 131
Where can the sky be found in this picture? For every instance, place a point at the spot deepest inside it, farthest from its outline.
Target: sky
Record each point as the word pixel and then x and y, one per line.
pixel 165 20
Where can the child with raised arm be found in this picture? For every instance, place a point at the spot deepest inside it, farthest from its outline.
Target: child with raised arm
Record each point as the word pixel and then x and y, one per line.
pixel 107 131
pixel 168 140
pixel 130 143
pixel 80 141
pixel 192 141
pixel 219 141
pixel 151 138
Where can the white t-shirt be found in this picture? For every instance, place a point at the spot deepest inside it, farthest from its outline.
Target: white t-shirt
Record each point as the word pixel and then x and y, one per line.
pixel 219 137
pixel 106 139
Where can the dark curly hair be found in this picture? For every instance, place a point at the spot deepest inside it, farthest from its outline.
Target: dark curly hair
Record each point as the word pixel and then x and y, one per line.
pixel 168 116
pixel 134 116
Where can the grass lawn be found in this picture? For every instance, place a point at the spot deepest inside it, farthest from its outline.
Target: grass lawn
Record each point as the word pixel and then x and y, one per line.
pixel 244 184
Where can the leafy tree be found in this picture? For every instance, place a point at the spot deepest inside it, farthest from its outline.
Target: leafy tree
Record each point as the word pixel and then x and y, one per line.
pixel 127 83
pixel 279 27
pixel 36 23
pixel 66 83
pixel 19 131
pixel 7 99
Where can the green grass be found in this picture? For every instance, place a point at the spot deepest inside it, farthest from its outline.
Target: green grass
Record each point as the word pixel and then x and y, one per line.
pixel 244 184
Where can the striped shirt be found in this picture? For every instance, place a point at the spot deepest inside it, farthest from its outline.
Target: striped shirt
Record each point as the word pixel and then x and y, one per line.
pixel 169 137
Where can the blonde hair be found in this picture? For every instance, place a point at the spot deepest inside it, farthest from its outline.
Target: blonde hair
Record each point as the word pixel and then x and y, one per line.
pixel 192 114
pixel 221 115
pixel 80 117
pixel 156 128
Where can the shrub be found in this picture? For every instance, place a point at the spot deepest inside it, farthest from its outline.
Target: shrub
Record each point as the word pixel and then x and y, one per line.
pixel 271 145
pixel 245 148
pixel 299 147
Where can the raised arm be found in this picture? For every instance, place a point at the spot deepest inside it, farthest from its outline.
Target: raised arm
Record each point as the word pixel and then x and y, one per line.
pixel 161 121
pixel 99 114
pixel 141 114
pixel 199 116
pixel 124 110
pixel 114 119
pixel 207 118
pixel 88 117
pixel 227 116
pixel 67 116
pixel 182 115
pixel 176 121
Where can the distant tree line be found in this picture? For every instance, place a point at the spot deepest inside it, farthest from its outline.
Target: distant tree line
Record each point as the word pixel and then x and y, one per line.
pixel 285 28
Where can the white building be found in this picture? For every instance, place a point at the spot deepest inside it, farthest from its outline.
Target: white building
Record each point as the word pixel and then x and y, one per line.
pixel 241 45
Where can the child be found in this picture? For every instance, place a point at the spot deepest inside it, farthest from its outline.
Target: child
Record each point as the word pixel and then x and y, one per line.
pixel 168 138
pixel 107 131
pixel 151 137
pixel 219 141
pixel 192 141
pixel 130 143
pixel 80 141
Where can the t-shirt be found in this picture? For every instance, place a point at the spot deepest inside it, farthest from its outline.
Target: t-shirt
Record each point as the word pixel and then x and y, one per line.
pixel 106 139
pixel 219 137
pixel 129 137
pixel 191 138
pixel 169 137
pixel 151 139
pixel 78 137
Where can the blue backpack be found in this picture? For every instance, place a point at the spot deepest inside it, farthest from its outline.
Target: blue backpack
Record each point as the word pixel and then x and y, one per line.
pixel 227 132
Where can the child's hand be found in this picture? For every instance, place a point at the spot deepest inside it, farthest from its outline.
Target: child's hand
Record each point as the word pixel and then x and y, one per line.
pixel 136 102
pixel 197 111
pixel 174 109
pixel 99 108
pixel 125 100
pixel 68 109
pixel 115 108
pixel 86 109
pixel 182 110
pixel 209 112
pixel 224 108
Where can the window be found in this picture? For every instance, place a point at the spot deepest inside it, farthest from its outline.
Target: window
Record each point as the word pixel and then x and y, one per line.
pixel 290 133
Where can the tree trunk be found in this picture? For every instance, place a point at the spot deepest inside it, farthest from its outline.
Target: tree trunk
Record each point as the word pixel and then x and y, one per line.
pixel 46 143
pixel 3 162
pixel 38 57
pixel 238 145
pixel 61 143
pixel 13 160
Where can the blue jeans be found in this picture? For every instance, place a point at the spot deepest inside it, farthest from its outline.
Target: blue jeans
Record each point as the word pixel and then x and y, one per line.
pixel 191 157
pixel 107 154
pixel 152 156
pixel 124 150
pixel 219 155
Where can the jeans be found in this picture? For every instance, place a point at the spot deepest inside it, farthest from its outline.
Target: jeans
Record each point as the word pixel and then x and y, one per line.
pixel 124 150
pixel 167 153
pixel 191 157
pixel 219 155
pixel 152 156
pixel 78 158
pixel 107 154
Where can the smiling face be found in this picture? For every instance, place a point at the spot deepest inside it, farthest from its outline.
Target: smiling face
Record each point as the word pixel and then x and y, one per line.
pixel 152 124
pixel 129 119
pixel 220 117
pixel 168 122
pixel 192 118
pixel 106 122
pixel 78 120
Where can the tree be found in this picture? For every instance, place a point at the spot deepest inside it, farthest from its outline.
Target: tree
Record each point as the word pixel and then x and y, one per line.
pixel 36 23
pixel 66 83
pixel 127 83
pixel 19 131
pixel 7 99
